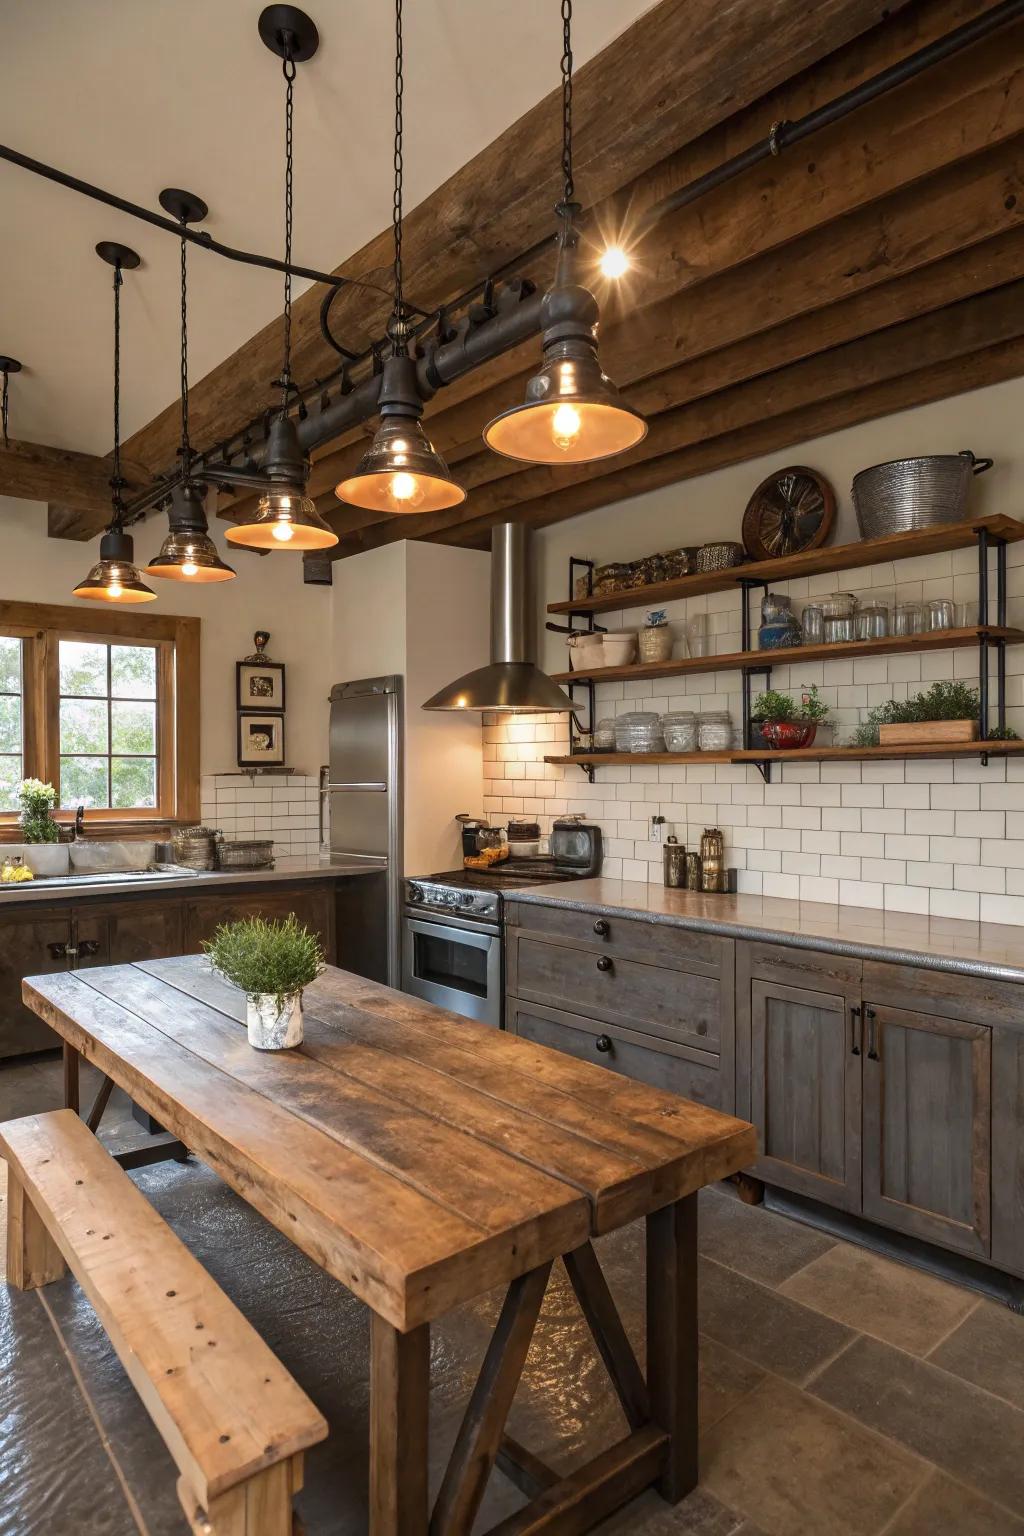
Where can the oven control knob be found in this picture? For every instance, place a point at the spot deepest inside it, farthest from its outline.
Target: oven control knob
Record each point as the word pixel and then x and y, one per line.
pixel 415 894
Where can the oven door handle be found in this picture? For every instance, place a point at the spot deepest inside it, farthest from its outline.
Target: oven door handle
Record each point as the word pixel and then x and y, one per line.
pixel 477 935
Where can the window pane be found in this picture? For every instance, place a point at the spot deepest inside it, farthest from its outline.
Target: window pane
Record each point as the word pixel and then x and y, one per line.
pixel 83 667
pixel 83 781
pixel 10 723
pixel 83 725
pixel 133 728
pixel 132 782
pixel 10 777
pixel 133 671
pixel 10 665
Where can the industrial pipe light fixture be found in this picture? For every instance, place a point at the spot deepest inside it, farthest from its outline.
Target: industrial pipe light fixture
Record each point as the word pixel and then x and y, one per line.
pixel 115 578
pixel 401 471
pixel 285 517
pixel 187 553
pixel 573 413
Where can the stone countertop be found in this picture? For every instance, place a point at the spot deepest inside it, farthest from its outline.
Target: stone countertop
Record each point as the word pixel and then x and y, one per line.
pixel 59 892
pixel 993 950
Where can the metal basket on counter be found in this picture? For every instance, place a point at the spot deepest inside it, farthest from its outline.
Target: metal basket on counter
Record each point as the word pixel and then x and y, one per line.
pixel 195 847
pixel 250 853
pixel 908 494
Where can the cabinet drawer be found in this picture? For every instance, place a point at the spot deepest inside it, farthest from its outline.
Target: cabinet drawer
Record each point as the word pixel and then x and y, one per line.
pixel 630 937
pixel 677 1005
pixel 799 967
pixel 646 1061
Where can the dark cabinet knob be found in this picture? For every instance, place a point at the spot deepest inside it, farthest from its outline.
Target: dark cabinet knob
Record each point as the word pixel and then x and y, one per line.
pixel 602 1043
pixel 604 964
pixel 601 928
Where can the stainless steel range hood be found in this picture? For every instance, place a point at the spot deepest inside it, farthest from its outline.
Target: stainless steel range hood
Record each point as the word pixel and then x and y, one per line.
pixel 512 681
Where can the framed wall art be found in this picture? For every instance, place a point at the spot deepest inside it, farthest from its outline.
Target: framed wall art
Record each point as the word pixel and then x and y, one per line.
pixel 260 739
pixel 259 680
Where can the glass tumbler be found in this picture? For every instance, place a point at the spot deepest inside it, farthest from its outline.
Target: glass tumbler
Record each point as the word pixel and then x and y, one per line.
pixel 697 640
pixel 939 613
pixel 907 619
pixel 872 622
pixel 813 624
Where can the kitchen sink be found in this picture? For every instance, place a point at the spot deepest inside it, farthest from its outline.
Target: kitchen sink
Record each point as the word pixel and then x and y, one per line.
pixel 115 876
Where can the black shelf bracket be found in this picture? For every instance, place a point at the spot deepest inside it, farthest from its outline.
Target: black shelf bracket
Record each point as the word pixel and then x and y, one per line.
pixel 748 585
pixel 987 642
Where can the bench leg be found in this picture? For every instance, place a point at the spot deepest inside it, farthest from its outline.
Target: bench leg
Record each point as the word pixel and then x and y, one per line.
pixel 399 1399
pixel 33 1258
pixel 261 1506
pixel 672 1350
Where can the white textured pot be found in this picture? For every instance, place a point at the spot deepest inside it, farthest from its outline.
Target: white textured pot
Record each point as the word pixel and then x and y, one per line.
pixel 272 1028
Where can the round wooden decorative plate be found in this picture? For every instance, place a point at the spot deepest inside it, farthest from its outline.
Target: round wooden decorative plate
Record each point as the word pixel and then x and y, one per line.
pixel 791 511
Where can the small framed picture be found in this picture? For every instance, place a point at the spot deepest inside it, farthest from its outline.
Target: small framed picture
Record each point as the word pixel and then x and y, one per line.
pixel 260 685
pixel 260 740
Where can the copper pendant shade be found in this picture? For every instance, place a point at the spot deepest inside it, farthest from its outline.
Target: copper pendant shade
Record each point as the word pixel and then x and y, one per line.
pixel 285 517
pixel 573 413
pixel 115 577
pixel 401 471
pixel 188 553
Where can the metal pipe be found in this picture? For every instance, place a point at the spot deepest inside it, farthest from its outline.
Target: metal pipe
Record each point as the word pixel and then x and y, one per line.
pixel 196 236
pixel 784 135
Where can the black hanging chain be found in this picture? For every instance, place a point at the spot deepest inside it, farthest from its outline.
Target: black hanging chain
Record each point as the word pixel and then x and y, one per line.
pixel 288 70
pixel 186 446
pixel 569 186
pixel 116 482
pixel 4 410
pixel 397 329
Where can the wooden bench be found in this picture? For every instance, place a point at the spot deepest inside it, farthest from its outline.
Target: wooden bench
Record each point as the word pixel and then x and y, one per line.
pixel 233 1419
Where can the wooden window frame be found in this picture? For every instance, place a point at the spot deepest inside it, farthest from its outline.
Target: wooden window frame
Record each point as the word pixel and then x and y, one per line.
pixel 40 626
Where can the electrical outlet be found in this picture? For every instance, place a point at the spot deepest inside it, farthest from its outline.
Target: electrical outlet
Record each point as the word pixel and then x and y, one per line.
pixel 657 829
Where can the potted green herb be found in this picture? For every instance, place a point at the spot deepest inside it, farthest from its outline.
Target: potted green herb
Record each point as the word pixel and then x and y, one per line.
pixel 271 962
pixel 785 724
pixel 945 712
pixel 39 829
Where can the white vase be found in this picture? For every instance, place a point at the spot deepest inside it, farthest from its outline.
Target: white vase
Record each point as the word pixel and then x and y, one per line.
pixel 272 1027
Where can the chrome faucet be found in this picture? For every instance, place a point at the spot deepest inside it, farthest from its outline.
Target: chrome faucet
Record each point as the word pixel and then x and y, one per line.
pixel 80 822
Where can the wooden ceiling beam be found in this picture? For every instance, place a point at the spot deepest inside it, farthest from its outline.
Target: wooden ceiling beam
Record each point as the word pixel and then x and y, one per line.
pixel 810 420
pixel 677 72
pixel 974 325
pixel 38 472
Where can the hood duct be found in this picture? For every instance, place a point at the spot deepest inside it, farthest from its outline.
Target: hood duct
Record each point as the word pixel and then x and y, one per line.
pixel 512 682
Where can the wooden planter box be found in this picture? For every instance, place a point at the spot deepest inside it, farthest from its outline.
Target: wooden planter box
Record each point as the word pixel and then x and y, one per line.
pixel 922 733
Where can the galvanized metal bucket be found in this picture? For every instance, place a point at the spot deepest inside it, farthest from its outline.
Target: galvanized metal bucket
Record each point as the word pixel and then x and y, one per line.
pixel 909 494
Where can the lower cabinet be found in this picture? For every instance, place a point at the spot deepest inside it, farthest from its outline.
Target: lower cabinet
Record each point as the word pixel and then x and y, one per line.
pixel 805 1091
pixel 31 944
pixel 928 1127
pixel 312 905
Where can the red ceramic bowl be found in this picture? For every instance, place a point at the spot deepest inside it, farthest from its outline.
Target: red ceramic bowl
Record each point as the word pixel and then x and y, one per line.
pixel 785 735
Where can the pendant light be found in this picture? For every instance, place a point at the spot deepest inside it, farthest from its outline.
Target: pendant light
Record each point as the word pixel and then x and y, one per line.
pixel 402 470
pixel 573 413
pixel 187 553
pixel 285 517
pixel 115 578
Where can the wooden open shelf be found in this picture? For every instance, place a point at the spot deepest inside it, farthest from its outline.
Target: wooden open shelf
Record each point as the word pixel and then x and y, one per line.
pixel 795 655
pixel 815 562
pixel 796 755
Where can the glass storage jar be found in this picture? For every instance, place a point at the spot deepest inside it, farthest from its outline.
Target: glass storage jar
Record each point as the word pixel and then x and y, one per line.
pixel 680 731
pixel 638 731
pixel 907 619
pixel 812 624
pixel 939 613
pixel 872 621
pixel 838 616
pixel 714 731
pixel 779 625
pixel 604 735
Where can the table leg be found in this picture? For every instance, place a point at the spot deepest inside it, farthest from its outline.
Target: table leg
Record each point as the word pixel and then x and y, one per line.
pixel 399 1398
pixel 672 1357
pixel 71 1061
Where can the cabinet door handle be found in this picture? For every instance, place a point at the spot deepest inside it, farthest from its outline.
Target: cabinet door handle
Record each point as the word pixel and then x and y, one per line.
pixel 856 1030
pixel 604 963
pixel 57 951
pixel 601 928
pixel 871 1017
pixel 602 1043
pixel 88 947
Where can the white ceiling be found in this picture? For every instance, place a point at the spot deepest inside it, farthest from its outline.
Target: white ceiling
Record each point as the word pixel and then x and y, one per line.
pixel 136 95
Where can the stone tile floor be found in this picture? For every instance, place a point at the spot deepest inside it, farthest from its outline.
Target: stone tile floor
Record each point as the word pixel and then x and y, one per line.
pixel 841 1393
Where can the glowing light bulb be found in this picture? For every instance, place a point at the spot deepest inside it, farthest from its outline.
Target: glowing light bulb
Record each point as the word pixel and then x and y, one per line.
pixel 115 589
pixel 403 487
pixel 283 532
pixel 190 568
pixel 614 262
pixel 565 426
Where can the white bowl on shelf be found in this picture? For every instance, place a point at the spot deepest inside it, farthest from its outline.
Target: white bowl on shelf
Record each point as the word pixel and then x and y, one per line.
pixel 585 652
pixel 618 647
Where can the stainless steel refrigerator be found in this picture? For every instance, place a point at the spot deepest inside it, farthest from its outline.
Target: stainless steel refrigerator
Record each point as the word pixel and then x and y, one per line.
pixel 363 791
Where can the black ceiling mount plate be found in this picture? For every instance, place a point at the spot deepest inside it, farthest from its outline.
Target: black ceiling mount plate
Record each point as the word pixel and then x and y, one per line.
pixel 282 24
pixel 9 364
pixel 118 255
pixel 183 205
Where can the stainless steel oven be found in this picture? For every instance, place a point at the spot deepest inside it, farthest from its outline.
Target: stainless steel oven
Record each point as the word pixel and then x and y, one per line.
pixel 454 962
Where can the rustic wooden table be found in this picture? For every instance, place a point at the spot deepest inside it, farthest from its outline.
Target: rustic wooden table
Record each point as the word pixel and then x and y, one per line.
pixel 422 1159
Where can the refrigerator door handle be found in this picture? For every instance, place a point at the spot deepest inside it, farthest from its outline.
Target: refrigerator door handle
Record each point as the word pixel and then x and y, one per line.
pixel 331 789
